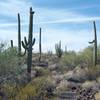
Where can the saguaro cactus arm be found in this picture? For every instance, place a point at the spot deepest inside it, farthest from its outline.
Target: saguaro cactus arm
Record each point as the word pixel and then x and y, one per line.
pixel 25 46
pixel 11 43
pixel 92 42
pixel 25 40
pixel 33 42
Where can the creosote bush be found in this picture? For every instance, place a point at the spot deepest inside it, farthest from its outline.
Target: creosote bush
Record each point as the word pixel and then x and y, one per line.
pixel 8 60
pixel 72 59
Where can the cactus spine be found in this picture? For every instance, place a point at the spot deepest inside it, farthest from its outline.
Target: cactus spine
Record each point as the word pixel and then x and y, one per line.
pixel 40 45
pixel 95 45
pixel 27 45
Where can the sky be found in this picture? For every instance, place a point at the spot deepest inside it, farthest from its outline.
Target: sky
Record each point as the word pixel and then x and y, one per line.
pixel 68 21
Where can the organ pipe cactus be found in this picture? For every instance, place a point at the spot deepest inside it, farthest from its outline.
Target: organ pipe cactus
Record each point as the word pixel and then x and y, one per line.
pixel 95 45
pixel 40 45
pixel 27 44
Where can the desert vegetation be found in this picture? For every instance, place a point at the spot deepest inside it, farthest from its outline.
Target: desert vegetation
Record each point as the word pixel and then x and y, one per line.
pixel 48 76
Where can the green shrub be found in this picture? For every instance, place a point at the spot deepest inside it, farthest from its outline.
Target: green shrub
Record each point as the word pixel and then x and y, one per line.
pixel 8 60
pixel 86 56
pixel 42 72
pixel 69 59
pixel 35 90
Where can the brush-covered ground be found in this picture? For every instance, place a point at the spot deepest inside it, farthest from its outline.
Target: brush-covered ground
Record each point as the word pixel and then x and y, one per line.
pixel 52 78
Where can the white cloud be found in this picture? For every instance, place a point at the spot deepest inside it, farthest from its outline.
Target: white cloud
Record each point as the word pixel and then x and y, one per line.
pixel 73 20
pixel 56 16
pixel 14 6
pixel 85 7
pixel 76 42
pixel 74 39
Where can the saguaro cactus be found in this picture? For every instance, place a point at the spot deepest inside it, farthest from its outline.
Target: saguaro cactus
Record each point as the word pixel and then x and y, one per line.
pixel 40 45
pixel 27 45
pixel 19 36
pixel 58 49
pixel 95 45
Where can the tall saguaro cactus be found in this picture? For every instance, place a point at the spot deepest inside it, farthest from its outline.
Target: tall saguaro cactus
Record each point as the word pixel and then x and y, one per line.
pixel 27 45
pixel 40 45
pixel 19 35
pixel 19 38
pixel 95 45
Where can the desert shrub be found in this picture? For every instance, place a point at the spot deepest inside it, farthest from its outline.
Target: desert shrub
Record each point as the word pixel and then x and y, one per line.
pixel 93 72
pixel 50 53
pixel 42 71
pixel 11 89
pixel 8 60
pixel 69 59
pixel 37 89
pixel 23 93
pixel 47 89
pixel 72 59
pixel 86 56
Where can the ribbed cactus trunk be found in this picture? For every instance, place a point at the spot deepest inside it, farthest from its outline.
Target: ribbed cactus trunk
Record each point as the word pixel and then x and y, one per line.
pixel 95 45
pixel 29 58
pixel 58 49
pixel 19 35
pixel 40 45
pixel 28 44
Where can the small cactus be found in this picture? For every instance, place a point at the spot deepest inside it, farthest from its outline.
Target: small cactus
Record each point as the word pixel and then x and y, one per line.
pixel 58 49
pixel 95 45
